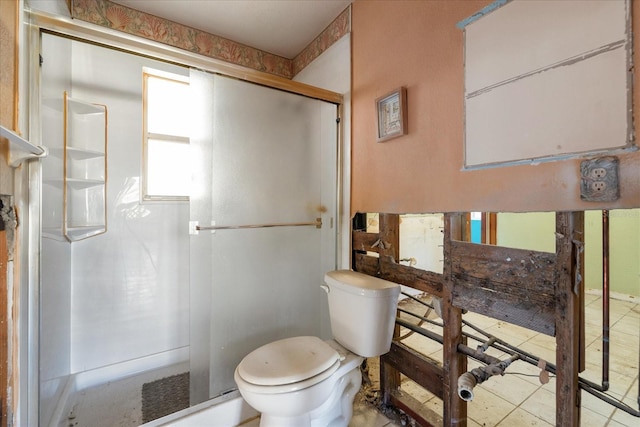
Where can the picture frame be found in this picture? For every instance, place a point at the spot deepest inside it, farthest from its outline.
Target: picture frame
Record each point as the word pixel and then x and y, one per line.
pixel 391 112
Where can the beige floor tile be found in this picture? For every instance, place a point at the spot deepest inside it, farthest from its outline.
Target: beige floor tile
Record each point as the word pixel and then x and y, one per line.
pixel 416 391
pixel 543 404
pixel 628 325
pixel 437 356
pixel 542 340
pixel 471 423
pixel 487 408
pixel 619 382
pixel 634 312
pixel 518 332
pixel 630 400
pixel 422 344
pixel 591 298
pixel 593 315
pixel 479 320
pixel 595 405
pixel 511 388
pixel 525 371
pixel 626 419
pixel 614 423
pixel 498 396
pixel 520 417
pixel 590 418
pixel 592 333
pixel 540 352
pixel 435 405
pixel 623 359
pixel 617 310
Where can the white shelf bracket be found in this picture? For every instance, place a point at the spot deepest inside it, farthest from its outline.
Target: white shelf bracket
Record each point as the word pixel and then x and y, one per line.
pixel 27 149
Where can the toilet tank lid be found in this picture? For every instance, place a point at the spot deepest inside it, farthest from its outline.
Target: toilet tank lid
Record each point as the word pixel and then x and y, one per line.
pixel 287 361
pixel 362 284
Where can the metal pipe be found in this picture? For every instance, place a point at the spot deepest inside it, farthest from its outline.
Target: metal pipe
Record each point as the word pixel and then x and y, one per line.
pixel 317 224
pixel 605 300
pixel 421 331
pixel 526 357
pixel 468 380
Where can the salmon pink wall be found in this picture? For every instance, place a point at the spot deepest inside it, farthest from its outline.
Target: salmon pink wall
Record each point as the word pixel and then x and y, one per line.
pixel 416 44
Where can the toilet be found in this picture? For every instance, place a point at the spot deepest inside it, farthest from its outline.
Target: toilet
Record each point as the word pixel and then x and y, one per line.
pixel 307 382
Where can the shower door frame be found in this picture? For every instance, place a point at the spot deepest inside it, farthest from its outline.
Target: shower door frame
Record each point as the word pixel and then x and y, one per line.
pixel 35 24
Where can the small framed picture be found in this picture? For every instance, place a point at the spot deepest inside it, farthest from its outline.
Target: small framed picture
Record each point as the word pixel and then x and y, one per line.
pixel 392 115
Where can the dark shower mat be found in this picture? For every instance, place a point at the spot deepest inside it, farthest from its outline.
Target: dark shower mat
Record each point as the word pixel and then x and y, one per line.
pixel 165 396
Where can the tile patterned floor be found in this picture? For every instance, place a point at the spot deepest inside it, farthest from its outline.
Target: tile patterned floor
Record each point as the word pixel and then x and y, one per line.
pixel 519 399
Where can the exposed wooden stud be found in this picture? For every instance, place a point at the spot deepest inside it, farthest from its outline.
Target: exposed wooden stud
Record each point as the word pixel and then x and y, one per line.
pixel 455 364
pixel 389 248
pixel 389 245
pixel 479 278
pixel 4 332
pixel 569 235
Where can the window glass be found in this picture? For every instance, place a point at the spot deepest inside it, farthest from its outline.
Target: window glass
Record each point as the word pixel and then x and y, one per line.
pixel 166 137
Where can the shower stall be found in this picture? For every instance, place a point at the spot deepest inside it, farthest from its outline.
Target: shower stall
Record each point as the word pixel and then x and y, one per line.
pixel 194 285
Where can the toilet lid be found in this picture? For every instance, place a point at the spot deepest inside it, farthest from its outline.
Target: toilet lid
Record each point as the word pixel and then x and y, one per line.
pixel 287 361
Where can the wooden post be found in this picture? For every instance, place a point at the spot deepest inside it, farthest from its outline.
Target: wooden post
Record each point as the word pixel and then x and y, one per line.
pixel 4 331
pixel 455 364
pixel 569 237
pixel 389 247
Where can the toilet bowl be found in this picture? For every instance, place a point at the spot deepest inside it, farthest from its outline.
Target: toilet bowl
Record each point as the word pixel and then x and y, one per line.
pixel 315 382
pixel 307 382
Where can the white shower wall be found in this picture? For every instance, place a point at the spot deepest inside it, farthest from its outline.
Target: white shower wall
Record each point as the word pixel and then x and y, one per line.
pixel 128 288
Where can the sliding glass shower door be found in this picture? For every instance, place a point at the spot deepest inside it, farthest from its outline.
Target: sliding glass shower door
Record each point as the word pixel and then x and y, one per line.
pixel 265 173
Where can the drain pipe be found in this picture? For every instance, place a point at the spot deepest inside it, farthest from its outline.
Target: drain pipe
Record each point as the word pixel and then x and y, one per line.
pixel 468 380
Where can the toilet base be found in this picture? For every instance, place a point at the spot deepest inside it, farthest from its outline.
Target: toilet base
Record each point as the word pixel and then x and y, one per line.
pixel 335 412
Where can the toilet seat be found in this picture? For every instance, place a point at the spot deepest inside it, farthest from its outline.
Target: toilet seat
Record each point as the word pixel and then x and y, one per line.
pixel 288 365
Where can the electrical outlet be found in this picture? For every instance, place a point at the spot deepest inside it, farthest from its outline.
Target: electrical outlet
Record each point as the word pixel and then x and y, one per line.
pixel 599 180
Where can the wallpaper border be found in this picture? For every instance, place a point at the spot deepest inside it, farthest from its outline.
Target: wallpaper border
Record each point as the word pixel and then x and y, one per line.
pixel 111 15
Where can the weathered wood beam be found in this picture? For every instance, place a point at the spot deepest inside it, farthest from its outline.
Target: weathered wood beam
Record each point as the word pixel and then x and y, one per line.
pixel 424 371
pixel 513 285
pixel 422 280
pixel 362 241
pixel 423 416
pixel 569 236
pixel 366 264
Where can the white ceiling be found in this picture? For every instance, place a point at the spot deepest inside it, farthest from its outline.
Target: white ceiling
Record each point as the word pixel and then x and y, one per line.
pixel 281 27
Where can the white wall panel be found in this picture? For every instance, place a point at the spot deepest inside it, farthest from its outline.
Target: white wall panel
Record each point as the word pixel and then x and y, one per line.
pixel 129 287
pixel 547 79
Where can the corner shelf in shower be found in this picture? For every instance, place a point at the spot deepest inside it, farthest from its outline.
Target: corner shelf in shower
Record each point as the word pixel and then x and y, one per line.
pixel 85 169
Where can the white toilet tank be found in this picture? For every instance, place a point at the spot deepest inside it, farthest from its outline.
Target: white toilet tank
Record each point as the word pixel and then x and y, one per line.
pixel 362 310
